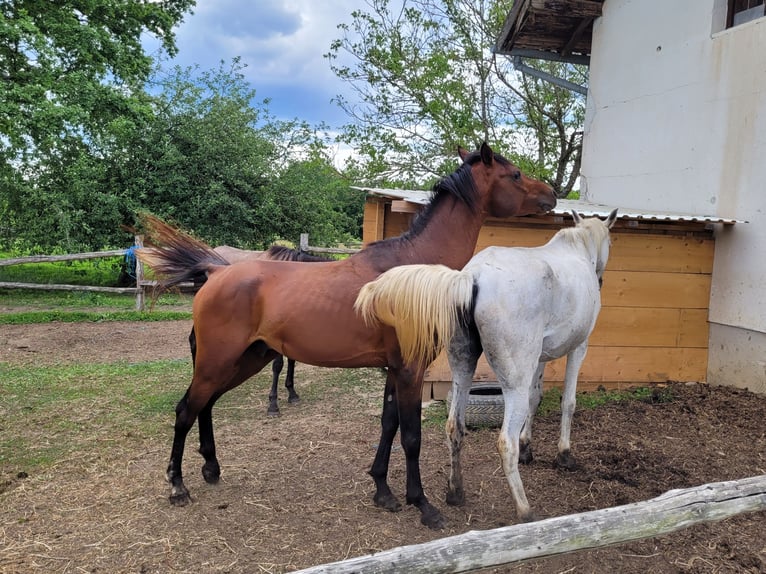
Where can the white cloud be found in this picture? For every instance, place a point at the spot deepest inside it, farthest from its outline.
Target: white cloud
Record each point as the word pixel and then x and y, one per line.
pixel 282 43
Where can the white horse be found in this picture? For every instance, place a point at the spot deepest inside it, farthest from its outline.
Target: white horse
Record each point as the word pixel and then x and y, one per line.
pixel 523 307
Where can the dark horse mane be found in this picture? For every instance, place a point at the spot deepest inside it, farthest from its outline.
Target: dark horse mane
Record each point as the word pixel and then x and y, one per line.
pixel 193 259
pixel 459 185
pixel 282 253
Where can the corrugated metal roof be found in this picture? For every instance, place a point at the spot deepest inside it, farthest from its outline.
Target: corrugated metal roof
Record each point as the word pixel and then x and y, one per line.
pixel 565 206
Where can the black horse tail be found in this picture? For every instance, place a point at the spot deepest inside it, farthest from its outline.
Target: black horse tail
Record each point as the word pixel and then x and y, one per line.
pixel 282 253
pixel 175 256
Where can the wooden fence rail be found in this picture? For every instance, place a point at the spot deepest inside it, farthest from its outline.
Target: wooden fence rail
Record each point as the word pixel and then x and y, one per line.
pixel 674 510
pixel 142 284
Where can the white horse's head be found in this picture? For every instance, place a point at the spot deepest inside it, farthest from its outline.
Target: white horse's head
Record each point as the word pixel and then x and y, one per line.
pixel 596 238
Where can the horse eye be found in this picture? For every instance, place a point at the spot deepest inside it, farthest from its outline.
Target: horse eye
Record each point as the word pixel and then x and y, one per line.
pixel 517 175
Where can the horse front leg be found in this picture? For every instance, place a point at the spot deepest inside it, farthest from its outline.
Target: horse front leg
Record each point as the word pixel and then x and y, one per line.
pixel 389 423
pixel 535 396
pixel 276 369
pixel 516 395
pixel 575 358
pixel 409 388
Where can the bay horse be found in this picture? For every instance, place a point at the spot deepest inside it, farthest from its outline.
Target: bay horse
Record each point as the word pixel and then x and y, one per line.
pixel 275 253
pixel 247 313
pixel 522 307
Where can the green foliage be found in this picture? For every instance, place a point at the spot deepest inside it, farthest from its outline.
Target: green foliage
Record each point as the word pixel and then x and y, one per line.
pixel 204 156
pixel 428 83
pixel 103 272
pixel 70 71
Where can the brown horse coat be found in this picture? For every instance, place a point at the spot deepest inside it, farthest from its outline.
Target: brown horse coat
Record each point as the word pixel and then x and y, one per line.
pixel 247 313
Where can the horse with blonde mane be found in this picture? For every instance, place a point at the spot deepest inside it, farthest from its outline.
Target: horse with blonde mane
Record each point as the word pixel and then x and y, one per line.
pixel 522 307
pixel 247 313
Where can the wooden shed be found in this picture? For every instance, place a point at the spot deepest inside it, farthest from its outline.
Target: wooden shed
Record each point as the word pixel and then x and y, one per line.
pixel 653 325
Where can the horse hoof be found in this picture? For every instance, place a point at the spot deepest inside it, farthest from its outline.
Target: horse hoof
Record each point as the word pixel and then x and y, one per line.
pixel 294 400
pixel 211 473
pixel 432 518
pixel 273 413
pixel 179 496
pixel 529 517
pixel 455 497
pixel 525 454
pixel 565 460
pixel 388 502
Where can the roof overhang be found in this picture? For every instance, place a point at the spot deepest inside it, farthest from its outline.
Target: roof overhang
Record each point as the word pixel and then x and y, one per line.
pixel 559 30
pixel 404 200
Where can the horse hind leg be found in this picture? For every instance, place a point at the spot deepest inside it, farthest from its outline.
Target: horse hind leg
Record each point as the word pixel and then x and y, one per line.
pixel 197 404
pixel 463 354
pixel 516 405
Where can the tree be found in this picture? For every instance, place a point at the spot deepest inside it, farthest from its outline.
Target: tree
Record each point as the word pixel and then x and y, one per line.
pixel 72 74
pixel 68 68
pixel 216 162
pixel 314 198
pixel 427 82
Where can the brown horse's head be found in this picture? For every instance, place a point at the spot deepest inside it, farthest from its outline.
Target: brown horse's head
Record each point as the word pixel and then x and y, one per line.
pixel 504 189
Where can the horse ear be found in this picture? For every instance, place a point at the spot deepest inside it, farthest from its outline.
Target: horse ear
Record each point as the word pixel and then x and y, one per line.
pixel 463 153
pixel 611 219
pixel 576 217
pixel 487 155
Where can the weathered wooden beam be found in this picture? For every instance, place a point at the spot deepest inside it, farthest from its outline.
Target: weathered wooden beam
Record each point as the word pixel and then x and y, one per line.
pixel 54 258
pixel 674 510
pixel 576 36
pixel 46 287
pixel 569 8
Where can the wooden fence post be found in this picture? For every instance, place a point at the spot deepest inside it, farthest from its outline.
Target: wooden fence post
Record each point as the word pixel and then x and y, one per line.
pixel 304 244
pixel 140 289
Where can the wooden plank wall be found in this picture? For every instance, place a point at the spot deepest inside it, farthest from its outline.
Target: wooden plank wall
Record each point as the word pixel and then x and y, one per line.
pixel 653 322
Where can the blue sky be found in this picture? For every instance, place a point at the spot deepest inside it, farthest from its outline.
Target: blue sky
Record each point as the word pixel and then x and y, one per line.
pixel 282 43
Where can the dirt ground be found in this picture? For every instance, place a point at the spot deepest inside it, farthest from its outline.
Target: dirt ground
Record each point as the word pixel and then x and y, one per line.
pixel 295 493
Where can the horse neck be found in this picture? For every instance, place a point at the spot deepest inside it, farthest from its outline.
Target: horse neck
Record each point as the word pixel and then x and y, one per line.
pixel 449 238
pixel 580 240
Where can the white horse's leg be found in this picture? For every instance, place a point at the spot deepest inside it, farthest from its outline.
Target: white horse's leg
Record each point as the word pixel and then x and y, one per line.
pixel 535 396
pixel 516 394
pixel 463 353
pixel 514 363
pixel 564 458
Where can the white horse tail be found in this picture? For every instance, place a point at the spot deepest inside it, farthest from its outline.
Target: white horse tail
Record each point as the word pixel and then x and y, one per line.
pixel 422 302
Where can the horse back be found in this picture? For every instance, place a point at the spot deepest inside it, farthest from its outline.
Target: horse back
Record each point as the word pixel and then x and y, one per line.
pixel 547 296
pixel 302 311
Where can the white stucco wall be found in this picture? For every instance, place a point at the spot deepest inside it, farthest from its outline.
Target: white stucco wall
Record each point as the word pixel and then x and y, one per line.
pixel 676 121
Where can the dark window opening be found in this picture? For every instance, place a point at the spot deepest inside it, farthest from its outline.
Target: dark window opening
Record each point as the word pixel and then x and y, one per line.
pixel 741 11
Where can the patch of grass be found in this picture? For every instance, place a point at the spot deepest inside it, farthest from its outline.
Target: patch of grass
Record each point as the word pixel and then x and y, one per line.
pixel 362 387
pixel 435 414
pixel 75 299
pixel 29 317
pixel 551 401
pixel 51 413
